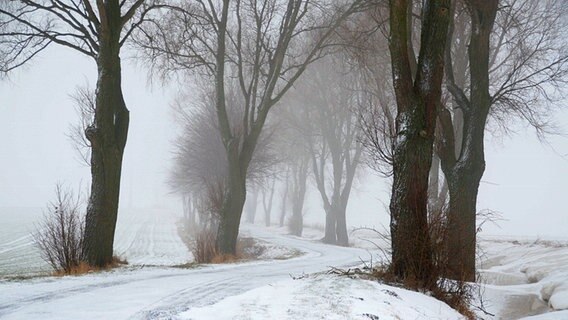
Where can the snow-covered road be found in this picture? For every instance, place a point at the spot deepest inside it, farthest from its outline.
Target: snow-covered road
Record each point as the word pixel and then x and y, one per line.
pixel 160 292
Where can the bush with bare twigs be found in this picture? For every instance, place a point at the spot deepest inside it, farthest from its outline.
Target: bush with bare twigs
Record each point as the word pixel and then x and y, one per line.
pixel 59 236
pixel 204 247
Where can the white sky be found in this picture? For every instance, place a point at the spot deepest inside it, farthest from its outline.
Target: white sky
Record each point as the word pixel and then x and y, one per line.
pixel 526 181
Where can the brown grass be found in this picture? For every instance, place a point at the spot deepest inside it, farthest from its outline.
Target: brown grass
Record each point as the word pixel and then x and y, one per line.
pixel 84 268
pixel 205 251
pixel 225 258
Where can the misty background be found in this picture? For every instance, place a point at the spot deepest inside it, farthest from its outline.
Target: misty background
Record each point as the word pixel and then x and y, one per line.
pixel 525 180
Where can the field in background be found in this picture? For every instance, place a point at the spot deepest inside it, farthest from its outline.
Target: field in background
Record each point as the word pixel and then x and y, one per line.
pixel 143 237
pixel 18 255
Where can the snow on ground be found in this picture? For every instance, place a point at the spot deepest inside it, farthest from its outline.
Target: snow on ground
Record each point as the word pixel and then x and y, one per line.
pixel 150 237
pixel 18 256
pixel 525 278
pixel 325 297
pixel 143 237
pixel 522 278
pixel 162 293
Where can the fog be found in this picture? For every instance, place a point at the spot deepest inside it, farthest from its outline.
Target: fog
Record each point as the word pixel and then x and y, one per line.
pixel 525 180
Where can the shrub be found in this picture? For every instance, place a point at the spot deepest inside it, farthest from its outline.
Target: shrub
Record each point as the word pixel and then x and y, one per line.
pixel 59 236
pixel 204 248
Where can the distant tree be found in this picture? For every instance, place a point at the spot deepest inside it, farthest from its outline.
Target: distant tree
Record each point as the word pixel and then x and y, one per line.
pixel 332 136
pixel 251 205
pixel 98 30
pixel 285 194
pixel 300 170
pixel 516 60
pixel 267 199
pixel 417 87
pixel 258 43
pixel 200 168
pixel 293 151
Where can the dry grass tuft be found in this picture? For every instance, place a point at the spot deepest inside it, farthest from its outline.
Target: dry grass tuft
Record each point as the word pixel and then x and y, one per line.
pixel 224 258
pixel 83 268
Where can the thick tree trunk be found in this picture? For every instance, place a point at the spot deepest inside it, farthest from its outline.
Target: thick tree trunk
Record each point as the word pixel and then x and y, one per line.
pixel 341 225
pixel 233 203
pixel 461 233
pixel 465 173
pixel 411 247
pixel 108 138
pixel 417 100
pixel 330 236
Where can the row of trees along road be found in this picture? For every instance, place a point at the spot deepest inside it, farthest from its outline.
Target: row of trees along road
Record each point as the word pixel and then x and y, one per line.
pixel 410 87
pixel 257 45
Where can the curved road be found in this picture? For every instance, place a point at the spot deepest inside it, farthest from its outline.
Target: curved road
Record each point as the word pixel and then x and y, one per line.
pixel 163 293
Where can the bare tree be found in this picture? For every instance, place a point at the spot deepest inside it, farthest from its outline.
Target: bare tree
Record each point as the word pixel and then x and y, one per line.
pixel 331 131
pixel 251 205
pixel 366 46
pixel 300 172
pixel 285 196
pixel 97 29
pixel 515 61
pixel 258 43
pixel 200 164
pixel 417 87
pixel 267 198
pixel 293 151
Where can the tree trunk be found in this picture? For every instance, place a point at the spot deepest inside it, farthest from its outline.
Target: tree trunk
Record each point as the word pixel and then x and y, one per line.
pixel 108 138
pixel 284 201
pixel 330 236
pixel 251 207
pixel 233 203
pixel 465 173
pixel 411 248
pixel 268 206
pixel 417 99
pixel 341 225
pixel 461 233
pixel 300 177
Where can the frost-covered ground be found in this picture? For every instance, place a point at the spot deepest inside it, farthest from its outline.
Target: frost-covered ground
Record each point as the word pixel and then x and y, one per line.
pixel 18 256
pixel 523 278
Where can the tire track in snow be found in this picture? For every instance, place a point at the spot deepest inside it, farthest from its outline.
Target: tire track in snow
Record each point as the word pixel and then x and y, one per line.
pixel 162 293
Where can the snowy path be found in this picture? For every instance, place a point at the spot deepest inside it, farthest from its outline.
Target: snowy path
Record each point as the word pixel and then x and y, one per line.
pixel 163 293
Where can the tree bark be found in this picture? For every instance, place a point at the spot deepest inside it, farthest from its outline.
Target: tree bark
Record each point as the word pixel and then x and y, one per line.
pixel 341 225
pixel 330 235
pixel 108 139
pixel 464 173
pixel 417 100
pixel 233 203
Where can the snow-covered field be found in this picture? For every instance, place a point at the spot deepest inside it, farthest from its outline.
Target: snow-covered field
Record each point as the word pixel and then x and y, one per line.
pixel 522 278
